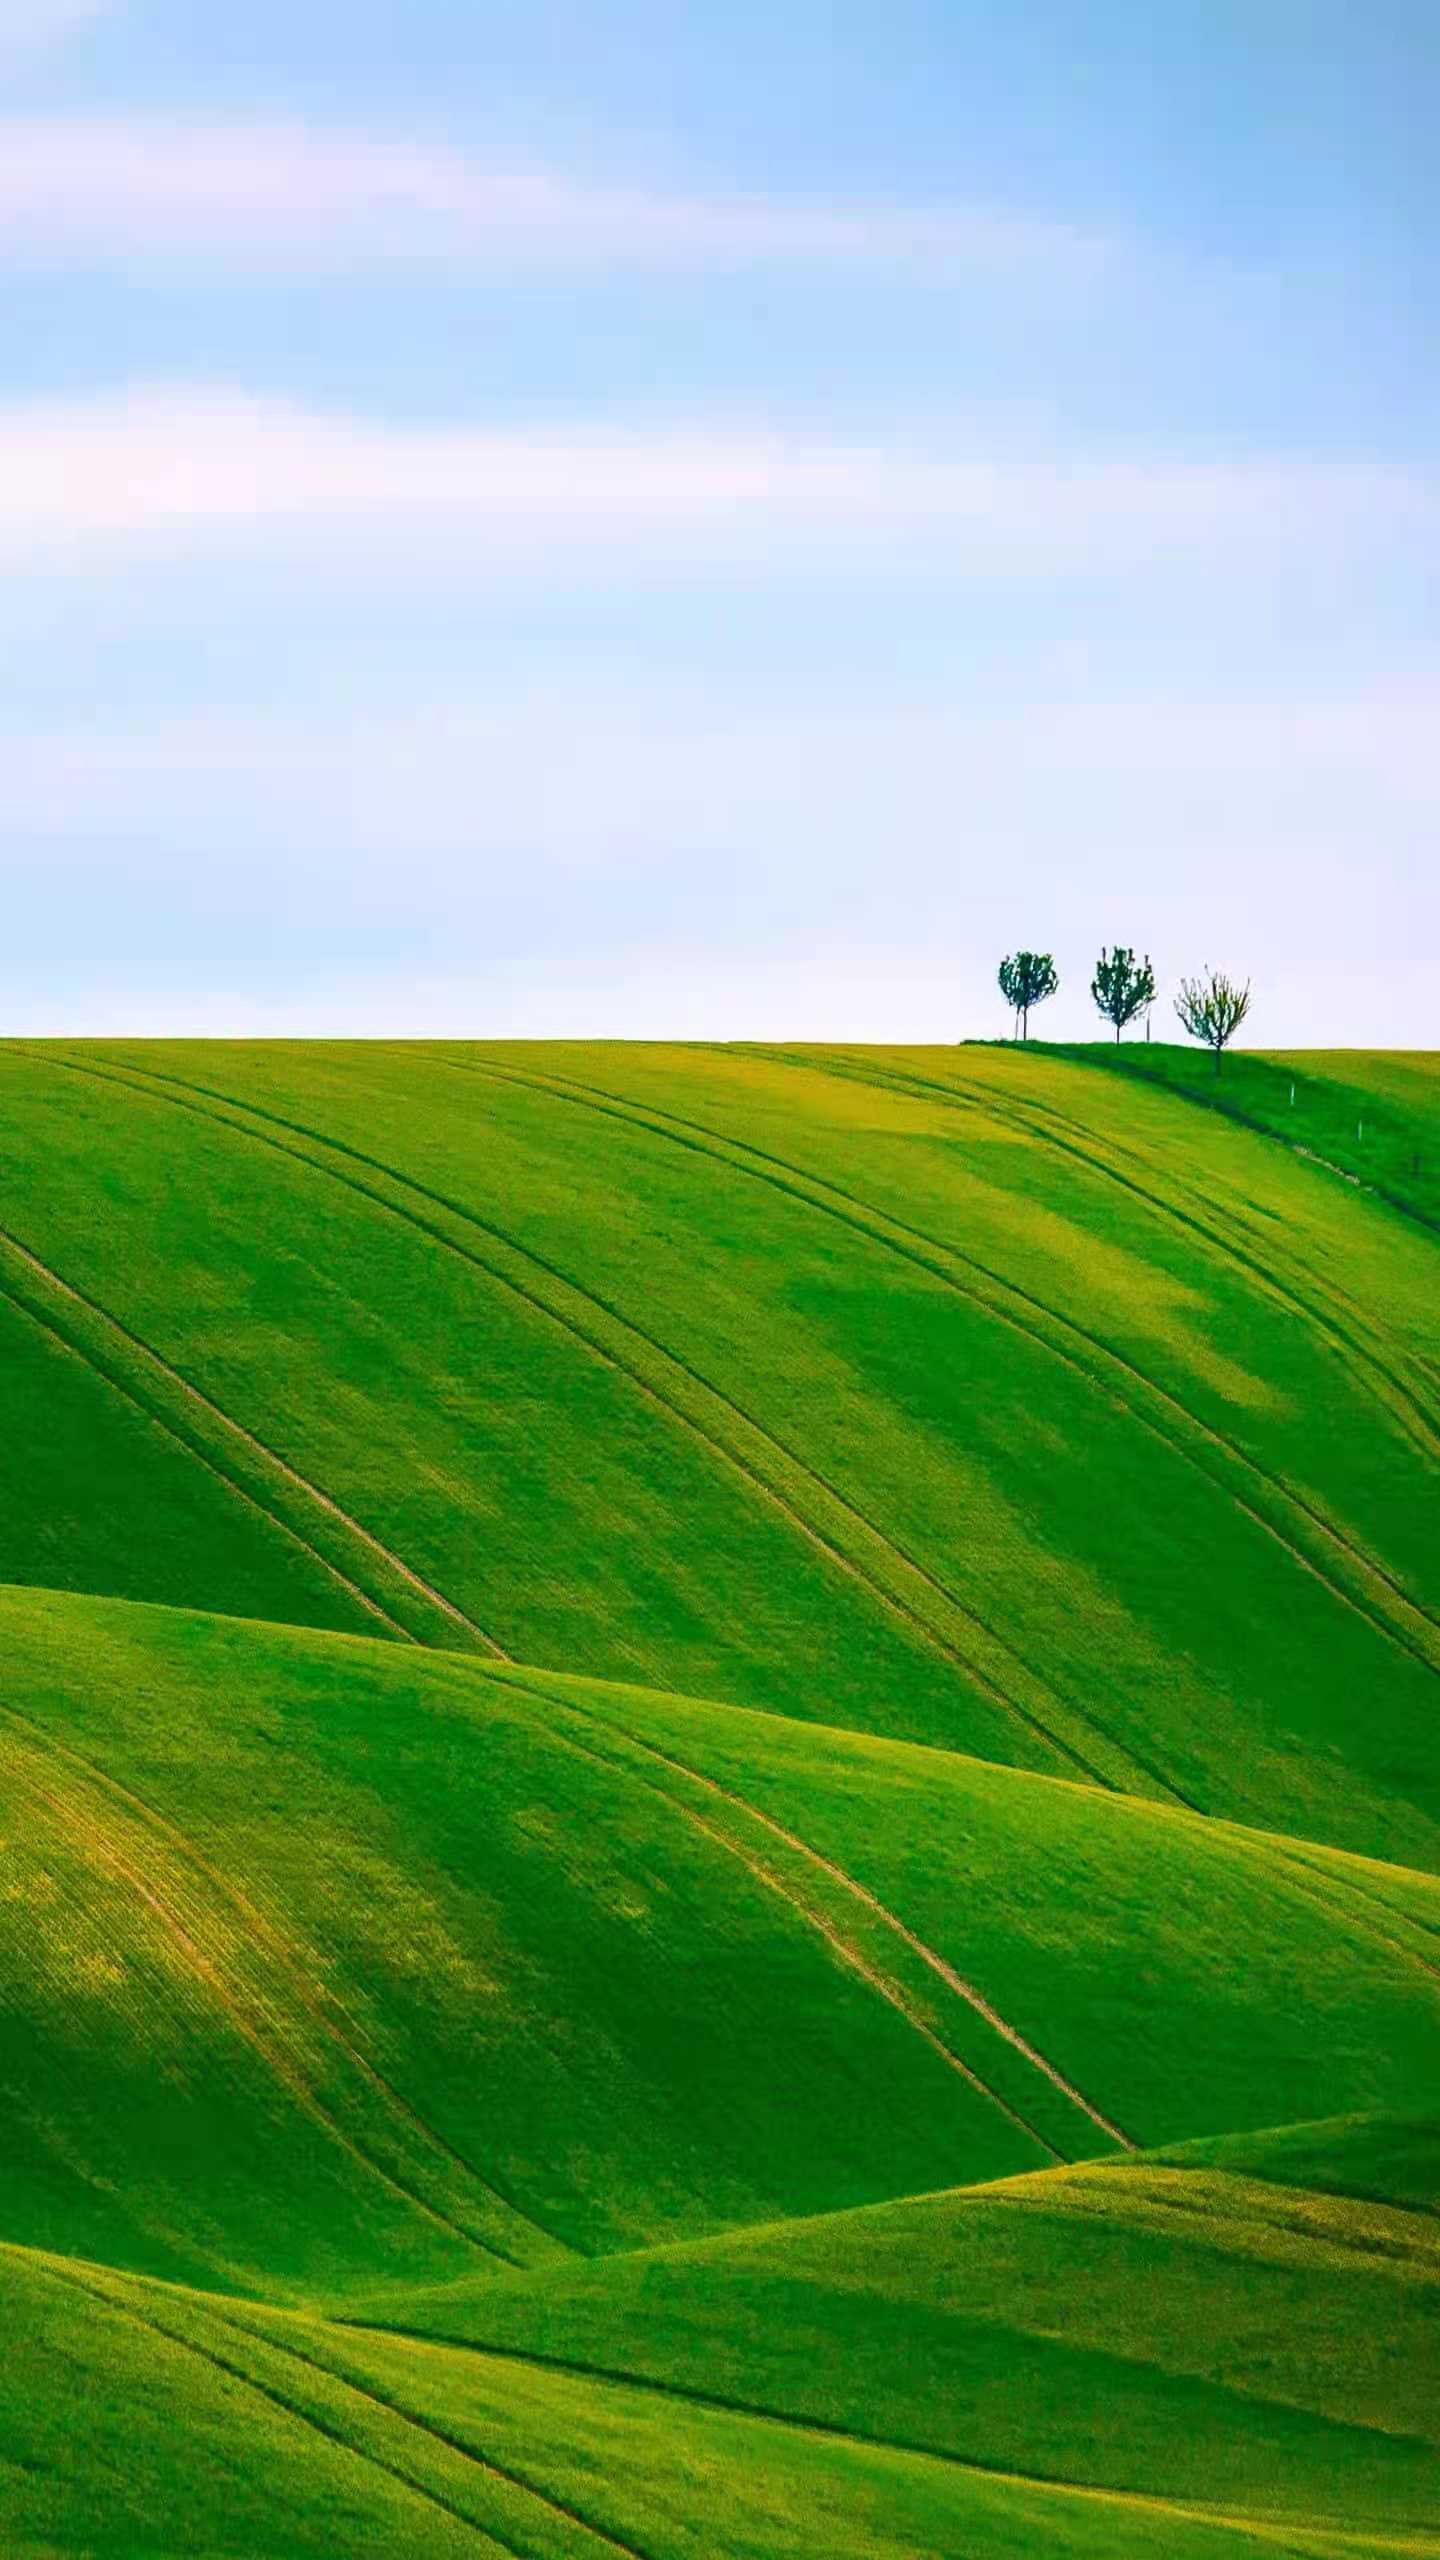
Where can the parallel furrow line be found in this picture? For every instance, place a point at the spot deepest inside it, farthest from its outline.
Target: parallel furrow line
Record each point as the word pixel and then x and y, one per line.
pixel 815 1919
pixel 1226 1109
pixel 657 2387
pixel 860 1893
pixel 1342 1317
pixel 124 2309
pixel 1365 1892
pixel 131 1395
pixel 665 1401
pixel 1293 1864
pixel 789 1459
pixel 289 1966
pixel 872 1222
pixel 909 2449
pixel 392 2408
pixel 265 2034
pixel 258 1449
pixel 1032 1116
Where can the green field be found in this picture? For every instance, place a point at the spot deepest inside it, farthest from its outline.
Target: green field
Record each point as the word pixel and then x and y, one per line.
pixel 719 1805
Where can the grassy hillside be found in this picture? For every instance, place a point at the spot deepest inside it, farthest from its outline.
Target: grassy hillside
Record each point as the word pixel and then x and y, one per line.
pixel 1151 2328
pixel 717 1799
pixel 289 2434
pixel 890 1391
pixel 503 1967
pixel 1375 1120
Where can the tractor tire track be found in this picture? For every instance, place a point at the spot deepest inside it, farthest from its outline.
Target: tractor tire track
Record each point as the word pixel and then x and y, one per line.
pixel 1328 1312
pixel 972 2465
pixel 1032 1117
pixel 1367 1567
pixel 288 1964
pixel 483 2462
pixel 851 1958
pixel 656 1395
pixel 657 2387
pixel 846 1954
pixel 871 1222
pixel 667 1402
pixel 1338 1315
pixel 1326 1883
pixel 268 1459
pixel 1227 1110
pixel 152 1415
pixel 909 1566
pixel 124 2309
pixel 858 1892
pixel 251 2015
pixel 1367 1892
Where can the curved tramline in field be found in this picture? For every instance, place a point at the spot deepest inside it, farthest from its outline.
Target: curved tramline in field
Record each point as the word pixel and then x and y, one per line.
pixel 717 1766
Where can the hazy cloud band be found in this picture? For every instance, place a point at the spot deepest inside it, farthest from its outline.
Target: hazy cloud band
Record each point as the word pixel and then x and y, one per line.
pixel 108 190
pixel 181 464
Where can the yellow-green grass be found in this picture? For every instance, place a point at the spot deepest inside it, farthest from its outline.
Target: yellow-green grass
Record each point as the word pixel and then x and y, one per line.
pixel 98 1488
pixel 1157 2328
pixel 1373 1117
pixel 719 1821
pixel 332 1962
pixel 154 2420
pixel 332 1958
pixel 1376 2159
pixel 965 1396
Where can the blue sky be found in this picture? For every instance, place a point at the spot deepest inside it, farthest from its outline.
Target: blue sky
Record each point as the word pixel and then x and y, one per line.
pixel 716 521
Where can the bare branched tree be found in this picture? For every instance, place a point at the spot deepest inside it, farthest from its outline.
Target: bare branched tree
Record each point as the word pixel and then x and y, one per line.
pixel 1212 1009
pixel 1026 979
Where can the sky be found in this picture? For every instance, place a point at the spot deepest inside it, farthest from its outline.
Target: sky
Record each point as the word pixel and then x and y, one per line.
pixel 614 519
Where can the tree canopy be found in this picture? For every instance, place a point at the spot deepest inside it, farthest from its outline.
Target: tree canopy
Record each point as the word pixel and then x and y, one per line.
pixel 1026 979
pixel 1122 986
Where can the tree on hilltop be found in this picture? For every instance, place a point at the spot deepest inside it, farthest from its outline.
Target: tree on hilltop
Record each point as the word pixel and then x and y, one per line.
pixel 1122 987
pixel 1212 1009
pixel 1027 978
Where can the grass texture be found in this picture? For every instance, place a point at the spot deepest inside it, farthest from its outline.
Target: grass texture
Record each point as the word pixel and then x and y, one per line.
pixel 719 1821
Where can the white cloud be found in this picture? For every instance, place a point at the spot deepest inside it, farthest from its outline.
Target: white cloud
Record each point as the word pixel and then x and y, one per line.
pixel 162 467
pixel 115 190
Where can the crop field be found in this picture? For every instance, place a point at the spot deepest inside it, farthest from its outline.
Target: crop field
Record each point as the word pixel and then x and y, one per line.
pixel 719 1802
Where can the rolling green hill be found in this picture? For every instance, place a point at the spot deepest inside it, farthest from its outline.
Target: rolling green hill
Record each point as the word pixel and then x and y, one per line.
pixel 1375 1120
pixel 719 1808
pixel 1150 2327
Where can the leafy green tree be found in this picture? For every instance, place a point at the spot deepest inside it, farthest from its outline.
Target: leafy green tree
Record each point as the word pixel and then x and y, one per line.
pixel 1212 1009
pixel 1121 986
pixel 1026 979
